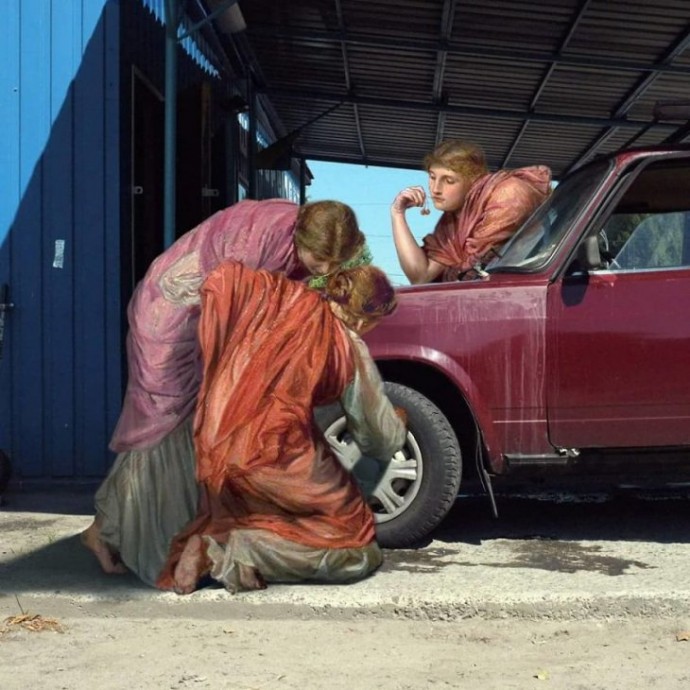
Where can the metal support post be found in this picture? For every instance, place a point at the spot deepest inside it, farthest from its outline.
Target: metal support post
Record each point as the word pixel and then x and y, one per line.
pixel 172 16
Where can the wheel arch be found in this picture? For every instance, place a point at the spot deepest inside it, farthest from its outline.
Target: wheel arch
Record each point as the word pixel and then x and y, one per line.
pixel 465 411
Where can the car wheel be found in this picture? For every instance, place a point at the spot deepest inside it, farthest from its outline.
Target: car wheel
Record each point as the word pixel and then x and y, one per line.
pixel 416 490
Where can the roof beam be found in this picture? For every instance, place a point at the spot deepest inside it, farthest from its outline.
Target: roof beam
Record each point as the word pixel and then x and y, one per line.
pixel 645 82
pixel 384 162
pixel 677 48
pixel 348 79
pixel 446 29
pixel 314 95
pixel 462 49
pixel 679 135
pixel 545 78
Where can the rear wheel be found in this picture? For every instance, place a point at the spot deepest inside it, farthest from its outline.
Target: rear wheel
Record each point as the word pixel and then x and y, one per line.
pixel 416 490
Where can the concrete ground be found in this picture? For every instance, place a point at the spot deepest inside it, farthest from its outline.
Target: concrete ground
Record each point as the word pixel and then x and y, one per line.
pixel 556 593
pixel 550 556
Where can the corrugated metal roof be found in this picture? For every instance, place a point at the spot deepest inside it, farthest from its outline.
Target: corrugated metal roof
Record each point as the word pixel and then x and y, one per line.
pixel 196 47
pixel 554 82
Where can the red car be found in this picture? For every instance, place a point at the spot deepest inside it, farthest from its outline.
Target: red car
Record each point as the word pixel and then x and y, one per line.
pixel 569 352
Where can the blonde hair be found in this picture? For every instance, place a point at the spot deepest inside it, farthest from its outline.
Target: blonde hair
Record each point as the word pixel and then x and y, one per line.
pixel 363 293
pixel 329 230
pixel 461 156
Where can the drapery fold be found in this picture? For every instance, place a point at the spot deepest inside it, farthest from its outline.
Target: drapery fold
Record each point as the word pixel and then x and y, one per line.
pixel 495 207
pixel 272 350
pixel 164 366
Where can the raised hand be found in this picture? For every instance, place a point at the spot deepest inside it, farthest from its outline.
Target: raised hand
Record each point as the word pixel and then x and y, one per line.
pixel 408 198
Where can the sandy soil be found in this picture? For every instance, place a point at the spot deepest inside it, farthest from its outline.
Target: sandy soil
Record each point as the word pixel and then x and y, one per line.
pixel 117 649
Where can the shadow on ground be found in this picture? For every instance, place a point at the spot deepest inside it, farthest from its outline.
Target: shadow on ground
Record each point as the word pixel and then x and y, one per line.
pixel 42 530
pixel 623 516
pixel 64 567
pixel 544 532
pixel 57 501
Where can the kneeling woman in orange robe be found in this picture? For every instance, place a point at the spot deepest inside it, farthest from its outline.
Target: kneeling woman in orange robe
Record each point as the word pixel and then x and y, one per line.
pixel 275 504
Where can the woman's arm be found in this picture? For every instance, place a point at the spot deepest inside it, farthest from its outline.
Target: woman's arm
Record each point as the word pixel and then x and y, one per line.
pixel 371 418
pixel 413 260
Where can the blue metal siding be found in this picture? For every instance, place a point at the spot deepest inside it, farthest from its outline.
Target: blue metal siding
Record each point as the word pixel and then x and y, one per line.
pixel 10 193
pixel 112 231
pixel 59 136
pixel 58 293
pixel 26 237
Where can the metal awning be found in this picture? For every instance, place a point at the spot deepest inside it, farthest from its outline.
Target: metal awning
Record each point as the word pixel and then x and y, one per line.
pixel 379 82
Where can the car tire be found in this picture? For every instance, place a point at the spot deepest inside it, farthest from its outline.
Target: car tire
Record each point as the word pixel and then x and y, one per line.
pixel 422 481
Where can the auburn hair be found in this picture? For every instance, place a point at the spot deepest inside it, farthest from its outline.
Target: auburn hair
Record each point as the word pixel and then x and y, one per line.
pixel 362 292
pixel 329 230
pixel 462 157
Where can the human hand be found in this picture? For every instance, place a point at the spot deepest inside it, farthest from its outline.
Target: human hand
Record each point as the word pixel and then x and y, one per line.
pixel 402 414
pixel 408 198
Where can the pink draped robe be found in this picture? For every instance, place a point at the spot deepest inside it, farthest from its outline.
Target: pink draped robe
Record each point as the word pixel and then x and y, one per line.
pixel 496 205
pixel 164 363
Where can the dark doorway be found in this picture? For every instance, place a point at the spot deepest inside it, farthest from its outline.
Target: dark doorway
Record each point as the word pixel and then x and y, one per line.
pixel 148 128
pixel 200 157
pixel 190 158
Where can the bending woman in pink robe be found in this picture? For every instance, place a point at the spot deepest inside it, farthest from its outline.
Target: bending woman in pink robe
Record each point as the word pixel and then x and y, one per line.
pixel 164 360
pixel 481 210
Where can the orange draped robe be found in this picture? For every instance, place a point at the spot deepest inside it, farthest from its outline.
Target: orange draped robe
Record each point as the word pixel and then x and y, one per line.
pixel 272 350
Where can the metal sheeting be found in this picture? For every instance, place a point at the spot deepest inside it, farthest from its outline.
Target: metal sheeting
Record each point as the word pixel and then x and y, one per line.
pixel 196 47
pixel 531 81
pixel 59 235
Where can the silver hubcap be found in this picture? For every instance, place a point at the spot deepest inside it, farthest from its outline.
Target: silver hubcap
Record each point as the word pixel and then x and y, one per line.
pixel 390 489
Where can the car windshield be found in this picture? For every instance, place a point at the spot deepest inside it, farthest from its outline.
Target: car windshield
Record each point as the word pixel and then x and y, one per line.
pixel 536 242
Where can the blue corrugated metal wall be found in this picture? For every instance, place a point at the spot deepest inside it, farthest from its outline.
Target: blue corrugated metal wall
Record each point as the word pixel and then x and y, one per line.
pixel 60 378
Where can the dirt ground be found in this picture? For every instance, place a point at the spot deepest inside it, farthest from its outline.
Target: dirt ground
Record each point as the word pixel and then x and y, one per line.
pixel 608 585
pixel 135 647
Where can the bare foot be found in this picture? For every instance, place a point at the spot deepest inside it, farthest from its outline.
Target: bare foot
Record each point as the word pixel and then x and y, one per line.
pixel 250 578
pixel 91 539
pixel 190 566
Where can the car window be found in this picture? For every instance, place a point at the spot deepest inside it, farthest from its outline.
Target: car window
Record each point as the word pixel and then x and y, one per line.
pixel 536 242
pixel 640 241
pixel 650 227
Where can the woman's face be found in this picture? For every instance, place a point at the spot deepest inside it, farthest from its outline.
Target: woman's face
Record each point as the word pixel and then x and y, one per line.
pixel 315 266
pixel 359 326
pixel 447 188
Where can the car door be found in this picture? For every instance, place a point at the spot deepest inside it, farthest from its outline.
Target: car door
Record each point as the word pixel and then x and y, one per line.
pixel 618 363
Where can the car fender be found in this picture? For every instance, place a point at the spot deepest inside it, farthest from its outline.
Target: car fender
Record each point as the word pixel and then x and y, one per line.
pixel 460 379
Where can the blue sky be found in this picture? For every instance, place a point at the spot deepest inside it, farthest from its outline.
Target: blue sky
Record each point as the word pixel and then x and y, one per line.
pixel 370 192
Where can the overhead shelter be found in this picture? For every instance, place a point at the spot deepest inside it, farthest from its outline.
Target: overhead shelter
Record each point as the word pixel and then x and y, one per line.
pixel 555 82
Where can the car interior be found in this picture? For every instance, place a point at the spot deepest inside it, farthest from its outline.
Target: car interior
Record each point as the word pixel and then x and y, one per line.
pixel 649 228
